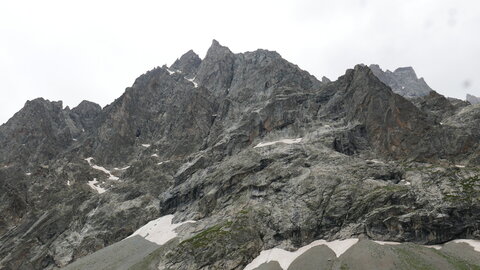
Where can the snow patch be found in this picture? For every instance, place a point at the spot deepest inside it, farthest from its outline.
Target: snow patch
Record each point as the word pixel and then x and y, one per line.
pixel 170 71
pixel 376 161
pixel 192 80
pixel 74 139
pixel 121 169
pixel 460 166
pixel 146 145
pixel 440 215
pixel 68 183
pixel 161 162
pixel 93 184
pixel 383 243
pixel 473 243
pixel 154 155
pixel 28 174
pixel 285 141
pixel 285 258
pixel 110 175
pixel 437 247
pixel 160 230
pixel 404 182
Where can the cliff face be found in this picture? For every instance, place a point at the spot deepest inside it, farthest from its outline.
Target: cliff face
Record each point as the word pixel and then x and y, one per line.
pixel 251 149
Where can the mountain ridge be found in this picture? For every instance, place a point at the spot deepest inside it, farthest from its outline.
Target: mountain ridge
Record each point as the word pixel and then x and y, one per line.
pixel 258 152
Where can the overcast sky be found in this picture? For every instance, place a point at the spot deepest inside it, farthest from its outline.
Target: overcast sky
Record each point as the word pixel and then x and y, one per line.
pixel 75 50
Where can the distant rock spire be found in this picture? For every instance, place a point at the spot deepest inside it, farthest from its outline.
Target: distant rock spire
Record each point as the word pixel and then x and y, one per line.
pixel 473 99
pixel 403 81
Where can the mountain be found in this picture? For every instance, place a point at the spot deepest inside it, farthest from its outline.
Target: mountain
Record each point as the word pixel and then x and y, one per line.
pixel 402 81
pixel 242 161
pixel 473 99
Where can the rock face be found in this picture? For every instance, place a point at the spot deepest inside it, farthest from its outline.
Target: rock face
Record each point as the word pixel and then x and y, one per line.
pixel 43 129
pixel 473 99
pixel 259 153
pixel 403 81
pixel 188 64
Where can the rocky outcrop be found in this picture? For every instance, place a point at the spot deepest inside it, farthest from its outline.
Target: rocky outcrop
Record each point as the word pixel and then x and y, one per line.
pixel 216 70
pixel 161 110
pixel 38 133
pixel 403 81
pixel 392 124
pixel 86 113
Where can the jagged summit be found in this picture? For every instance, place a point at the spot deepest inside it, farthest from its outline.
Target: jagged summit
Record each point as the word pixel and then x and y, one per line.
pixel 403 81
pixel 188 64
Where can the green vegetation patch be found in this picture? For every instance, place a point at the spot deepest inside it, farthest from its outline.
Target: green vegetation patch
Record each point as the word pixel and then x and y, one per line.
pixel 209 235
pixel 468 190
pixel 457 263
pixel 412 260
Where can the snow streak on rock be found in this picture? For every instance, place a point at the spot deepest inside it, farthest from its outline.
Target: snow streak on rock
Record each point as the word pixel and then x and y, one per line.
pixel 285 141
pixel 110 175
pixel 94 184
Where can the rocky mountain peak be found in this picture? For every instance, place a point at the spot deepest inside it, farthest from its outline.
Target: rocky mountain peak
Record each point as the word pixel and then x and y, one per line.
pixel 216 70
pixel 403 81
pixel 217 50
pixel 325 80
pixel 43 105
pixel 388 122
pixel 407 72
pixel 473 99
pixel 37 132
pixel 188 63
pixel 87 108
pixel 86 113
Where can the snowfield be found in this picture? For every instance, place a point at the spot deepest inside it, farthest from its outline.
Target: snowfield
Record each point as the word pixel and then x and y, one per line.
pixel 284 141
pixel 285 258
pixel 383 243
pixel 473 243
pixel 160 230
